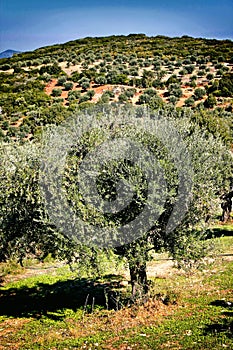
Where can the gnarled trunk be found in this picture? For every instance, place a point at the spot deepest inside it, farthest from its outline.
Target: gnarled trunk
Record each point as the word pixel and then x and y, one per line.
pixel 138 280
pixel 226 206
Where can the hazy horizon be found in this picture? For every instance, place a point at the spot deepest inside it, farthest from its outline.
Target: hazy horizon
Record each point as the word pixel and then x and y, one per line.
pixel 26 26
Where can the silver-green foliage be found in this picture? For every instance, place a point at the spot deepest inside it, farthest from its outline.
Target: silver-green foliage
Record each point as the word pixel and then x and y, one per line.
pixel 25 227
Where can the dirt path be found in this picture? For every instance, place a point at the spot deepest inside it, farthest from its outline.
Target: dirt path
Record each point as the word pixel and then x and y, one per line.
pixel 160 266
pixel 155 268
pixel 50 86
pixel 36 270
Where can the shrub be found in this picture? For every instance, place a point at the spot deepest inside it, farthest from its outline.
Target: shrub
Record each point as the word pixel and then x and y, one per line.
pixel 84 98
pixel 100 80
pixel 210 76
pixel 172 80
pixel 189 69
pixel 130 92
pixel 183 71
pixel 56 92
pixel 68 85
pixel 173 99
pixel 189 102
pixel 123 98
pixel 90 94
pixel 5 67
pixel 193 84
pixel 144 98
pixel 46 77
pixel 61 80
pixel 210 102
pixel 53 70
pixel 199 93
pixel 73 95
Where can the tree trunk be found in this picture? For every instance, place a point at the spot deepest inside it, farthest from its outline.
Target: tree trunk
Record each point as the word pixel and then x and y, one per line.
pixel 139 280
pixel 226 206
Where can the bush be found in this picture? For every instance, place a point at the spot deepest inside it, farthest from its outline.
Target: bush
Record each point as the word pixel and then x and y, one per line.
pixel 189 102
pixel 58 100
pixel 210 102
pixel 183 72
pixel 173 99
pixel 175 90
pixel 90 94
pixel 201 73
pixel 123 98
pixel 220 72
pixel 100 80
pixel 5 67
pixel 68 86
pixel 73 95
pixel 172 80
pixel 150 92
pixel 109 93
pixel 189 69
pixel 104 99
pixel 53 70
pixel 61 80
pixel 144 98
pixel 56 92
pixel 5 124
pixel 226 85
pixel 210 76
pixel 46 77
pixel 130 92
pixel 84 98
pixel 199 93
pixel 156 102
pixel 193 84
pixel 84 83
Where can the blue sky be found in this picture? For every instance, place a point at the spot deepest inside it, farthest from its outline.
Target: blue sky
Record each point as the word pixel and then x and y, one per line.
pixel 26 25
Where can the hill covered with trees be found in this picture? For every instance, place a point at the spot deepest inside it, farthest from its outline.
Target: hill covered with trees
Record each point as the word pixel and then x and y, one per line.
pixel 47 85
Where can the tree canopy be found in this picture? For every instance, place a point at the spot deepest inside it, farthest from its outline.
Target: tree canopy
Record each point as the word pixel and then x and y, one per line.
pixel 191 166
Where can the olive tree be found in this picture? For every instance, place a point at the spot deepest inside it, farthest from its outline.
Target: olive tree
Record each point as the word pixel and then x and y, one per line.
pixel 56 92
pixel 199 93
pixel 20 204
pixel 61 80
pixel 68 85
pixel 208 172
pixel 157 196
pixel 189 102
pixel 84 83
pixel 25 228
pixel 100 80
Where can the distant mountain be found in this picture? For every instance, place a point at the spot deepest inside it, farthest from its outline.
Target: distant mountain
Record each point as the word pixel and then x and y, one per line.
pixel 8 53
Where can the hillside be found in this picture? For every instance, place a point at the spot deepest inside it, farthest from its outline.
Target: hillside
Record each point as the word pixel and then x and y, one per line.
pixel 47 85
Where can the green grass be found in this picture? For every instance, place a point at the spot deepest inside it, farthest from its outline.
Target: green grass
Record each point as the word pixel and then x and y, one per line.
pixel 63 311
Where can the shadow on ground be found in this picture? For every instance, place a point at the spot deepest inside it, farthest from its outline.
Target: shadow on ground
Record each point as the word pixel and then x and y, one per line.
pixel 225 325
pixel 225 230
pixel 72 294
